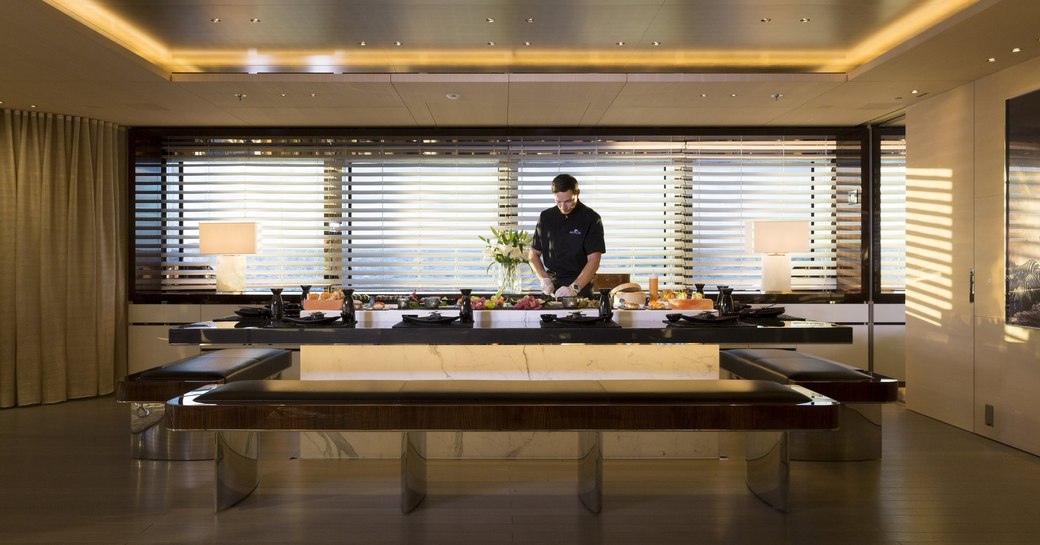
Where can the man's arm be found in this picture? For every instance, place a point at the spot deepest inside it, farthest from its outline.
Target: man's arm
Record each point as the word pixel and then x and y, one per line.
pixel 588 272
pixel 534 259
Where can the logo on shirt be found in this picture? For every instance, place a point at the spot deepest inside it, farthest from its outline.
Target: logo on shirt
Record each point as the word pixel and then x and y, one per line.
pixel 575 232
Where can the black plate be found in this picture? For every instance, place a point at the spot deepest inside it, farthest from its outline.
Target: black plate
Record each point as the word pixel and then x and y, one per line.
pixel 254 312
pixel 762 312
pixel 709 318
pixel 431 319
pixel 578 319
pixel 324 320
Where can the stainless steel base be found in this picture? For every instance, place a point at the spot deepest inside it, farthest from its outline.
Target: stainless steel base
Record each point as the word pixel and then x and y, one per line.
pixel 236 464
pixel 590 470
pixel 150 439
pixel 413 470
pixel 859 437
pixel 768 469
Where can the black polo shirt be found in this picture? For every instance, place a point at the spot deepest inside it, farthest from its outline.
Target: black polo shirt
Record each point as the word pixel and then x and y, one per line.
pixel 566 241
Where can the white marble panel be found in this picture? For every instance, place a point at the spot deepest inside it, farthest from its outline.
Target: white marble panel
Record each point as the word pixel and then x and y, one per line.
pixel 509 362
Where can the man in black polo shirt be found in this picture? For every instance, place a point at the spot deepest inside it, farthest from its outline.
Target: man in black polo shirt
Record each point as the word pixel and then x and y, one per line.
pixel 569 239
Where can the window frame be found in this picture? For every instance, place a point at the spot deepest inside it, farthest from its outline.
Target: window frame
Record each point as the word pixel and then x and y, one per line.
pixel 146 143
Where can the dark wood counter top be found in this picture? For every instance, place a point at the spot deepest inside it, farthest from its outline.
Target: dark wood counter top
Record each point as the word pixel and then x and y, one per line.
pixel 786 332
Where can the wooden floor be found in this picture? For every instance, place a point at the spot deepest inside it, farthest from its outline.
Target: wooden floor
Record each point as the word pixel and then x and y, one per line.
pixel 66 477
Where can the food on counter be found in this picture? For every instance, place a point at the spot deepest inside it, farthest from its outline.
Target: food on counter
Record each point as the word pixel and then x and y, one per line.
pixel 378 305
pixel 656 305
pixel 528 302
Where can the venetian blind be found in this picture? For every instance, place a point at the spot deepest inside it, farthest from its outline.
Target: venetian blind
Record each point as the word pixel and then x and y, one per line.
pixel 395 214
pixel 735 181
pixel 892 216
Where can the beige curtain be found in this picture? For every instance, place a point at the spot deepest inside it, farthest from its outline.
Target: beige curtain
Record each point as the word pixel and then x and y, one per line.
pixel 63 257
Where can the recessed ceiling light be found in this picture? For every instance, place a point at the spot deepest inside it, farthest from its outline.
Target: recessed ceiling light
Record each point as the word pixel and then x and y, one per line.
pixel 704 95
pixel 621 43
pixel 453 96
pixel 314 95
pixel 733 95
pixel 1016 50
pixel 490 19
pixel 492 44
pixel 527 43
pixel 530 19
pixel 765 19
pixel 991 59
pixel 914 92
pixel 283 94
pixel 655 43
pixel 398 44
pixel 804 20
pixel 32 105
pixel 363 43
pixel 254 20
pixel 215 20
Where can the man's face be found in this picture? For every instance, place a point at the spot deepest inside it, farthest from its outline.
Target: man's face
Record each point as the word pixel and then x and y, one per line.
pixel 565 201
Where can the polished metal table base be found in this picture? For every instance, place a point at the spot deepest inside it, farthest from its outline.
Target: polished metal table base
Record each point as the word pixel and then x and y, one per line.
pixel 768 469
pixel 150 439
pixel 237 472
pixel 413 470
pixel 859 437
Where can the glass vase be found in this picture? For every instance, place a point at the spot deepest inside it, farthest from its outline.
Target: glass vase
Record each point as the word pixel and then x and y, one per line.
pixel 507 277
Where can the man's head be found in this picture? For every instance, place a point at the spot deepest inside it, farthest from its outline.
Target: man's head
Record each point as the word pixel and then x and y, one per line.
pixel 565 191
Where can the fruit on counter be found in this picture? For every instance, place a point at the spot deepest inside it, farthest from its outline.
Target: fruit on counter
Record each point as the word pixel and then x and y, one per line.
pixel 378 305
pixel 655 305
pixel 487 303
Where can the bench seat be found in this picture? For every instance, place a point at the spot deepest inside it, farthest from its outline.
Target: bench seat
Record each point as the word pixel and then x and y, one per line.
pixel 238 410
pixel 148 390
pixel 859 391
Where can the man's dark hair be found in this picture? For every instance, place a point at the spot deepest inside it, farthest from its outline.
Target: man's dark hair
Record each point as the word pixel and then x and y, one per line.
pixel 564 182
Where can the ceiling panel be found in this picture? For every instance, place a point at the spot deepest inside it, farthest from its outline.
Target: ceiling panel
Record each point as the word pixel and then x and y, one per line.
pixel 573 74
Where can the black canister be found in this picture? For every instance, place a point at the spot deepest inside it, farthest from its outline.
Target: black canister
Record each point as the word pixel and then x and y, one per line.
pixel 348 314
pixel 725 301
pixel 466 308
pixel 277 305
pixel 304 290
pixel 699 288
pixel 605 311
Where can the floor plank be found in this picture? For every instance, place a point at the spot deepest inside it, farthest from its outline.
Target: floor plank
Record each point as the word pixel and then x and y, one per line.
pixel 67 478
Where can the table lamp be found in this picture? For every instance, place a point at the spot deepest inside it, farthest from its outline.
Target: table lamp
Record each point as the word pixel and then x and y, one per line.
pixel 230 242
pixel 777 239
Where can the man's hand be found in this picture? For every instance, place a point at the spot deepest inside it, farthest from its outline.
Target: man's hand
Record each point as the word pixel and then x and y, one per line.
pixel 565 291
pixel 547 286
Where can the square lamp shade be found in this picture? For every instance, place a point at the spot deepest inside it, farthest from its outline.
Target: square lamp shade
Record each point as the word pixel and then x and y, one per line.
pixel 777 239
pixel 230 242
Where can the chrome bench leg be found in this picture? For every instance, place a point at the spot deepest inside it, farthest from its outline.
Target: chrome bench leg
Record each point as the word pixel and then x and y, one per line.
pixel 768 470
pixel 236 467
pixel 150 439
pixel 590 470
pixel 413 470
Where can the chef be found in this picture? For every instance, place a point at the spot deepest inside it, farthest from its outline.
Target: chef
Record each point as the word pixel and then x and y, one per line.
pixel 568 243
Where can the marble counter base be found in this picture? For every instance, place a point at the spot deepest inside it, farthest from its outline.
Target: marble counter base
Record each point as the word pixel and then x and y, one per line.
pixel 509 362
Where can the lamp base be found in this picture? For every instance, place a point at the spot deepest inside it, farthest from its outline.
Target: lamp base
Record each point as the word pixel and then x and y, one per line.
pixel 231 273
pixel 776 273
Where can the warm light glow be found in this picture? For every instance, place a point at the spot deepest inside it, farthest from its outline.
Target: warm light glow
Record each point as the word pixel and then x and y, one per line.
pixel 93 14
pixel 1016 334
pixel 103 21
pixel 909 25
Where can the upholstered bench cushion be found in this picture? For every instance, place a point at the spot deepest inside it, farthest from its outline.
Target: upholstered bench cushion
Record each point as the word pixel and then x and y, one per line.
pixel 491 392
pixel 786 366
pixel 223 365
pixel 162 383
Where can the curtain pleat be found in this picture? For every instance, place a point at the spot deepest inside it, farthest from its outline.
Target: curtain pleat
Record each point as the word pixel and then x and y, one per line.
pixel 63 260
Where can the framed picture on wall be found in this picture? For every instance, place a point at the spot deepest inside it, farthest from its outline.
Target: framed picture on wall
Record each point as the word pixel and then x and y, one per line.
pixel 1022 297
